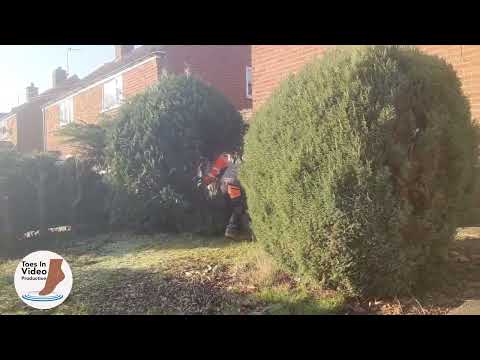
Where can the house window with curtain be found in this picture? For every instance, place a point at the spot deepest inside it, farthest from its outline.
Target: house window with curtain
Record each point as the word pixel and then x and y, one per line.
pixel 249 82
pixel 66 112
pixel 112 93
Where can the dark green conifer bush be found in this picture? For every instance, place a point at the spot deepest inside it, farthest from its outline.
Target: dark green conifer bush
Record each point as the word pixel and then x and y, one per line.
pixel 356 168
pixel 154 145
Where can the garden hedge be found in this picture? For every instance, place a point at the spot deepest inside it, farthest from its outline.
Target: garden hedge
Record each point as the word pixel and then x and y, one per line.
pixel 356 169
pixel 70 194
pixel 154 146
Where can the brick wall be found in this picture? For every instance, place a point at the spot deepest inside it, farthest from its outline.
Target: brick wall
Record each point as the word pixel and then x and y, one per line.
pixel 466 61
pixel 222 66
pixel 273 63
pixel 138 79
pixel 87 104
pixel 29 129
pixel 24 129
pixel 54 142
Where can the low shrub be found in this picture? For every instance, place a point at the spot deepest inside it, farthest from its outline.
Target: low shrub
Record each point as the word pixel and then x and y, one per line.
pixel 39 191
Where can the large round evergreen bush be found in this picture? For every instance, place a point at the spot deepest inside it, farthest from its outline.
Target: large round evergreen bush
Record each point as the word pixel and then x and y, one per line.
pixel 357 167
pixel 154 146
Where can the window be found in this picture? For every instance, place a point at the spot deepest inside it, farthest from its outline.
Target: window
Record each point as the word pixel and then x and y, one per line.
pixel 66 112
pixel 112 93
pixel 3 130
pixel 249 82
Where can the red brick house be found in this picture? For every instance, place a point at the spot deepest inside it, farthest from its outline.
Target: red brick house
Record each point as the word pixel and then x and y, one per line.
pixel 226 68
pixel 8 130
pixel 272 63
pixel 22 127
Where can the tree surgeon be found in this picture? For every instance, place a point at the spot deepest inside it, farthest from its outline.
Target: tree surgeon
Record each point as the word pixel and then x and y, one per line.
pixel 223 173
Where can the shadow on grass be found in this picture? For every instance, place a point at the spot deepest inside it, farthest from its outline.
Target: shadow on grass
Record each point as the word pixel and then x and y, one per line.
pixel 188 241
pixel 124 291
pixel 79 243
pixel 127 291
pixel 122 244
pixel 53 241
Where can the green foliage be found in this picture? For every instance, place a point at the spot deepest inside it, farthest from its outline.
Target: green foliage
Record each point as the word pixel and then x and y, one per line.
pixel 74 194
pixel 155 144
pixel 88 140
pixel 299 301
pixel 9 163
pixel 357 168
pixel 149 152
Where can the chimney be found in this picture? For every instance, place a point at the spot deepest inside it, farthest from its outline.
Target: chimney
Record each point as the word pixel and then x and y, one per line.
pixel 59 76
pixel 123 50
pixel 32 91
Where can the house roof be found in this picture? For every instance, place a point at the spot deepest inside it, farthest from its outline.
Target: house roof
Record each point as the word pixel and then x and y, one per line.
pixel 73 84
pixel 5 115
pixel 47 95
pixel 111 67
pixel 139 54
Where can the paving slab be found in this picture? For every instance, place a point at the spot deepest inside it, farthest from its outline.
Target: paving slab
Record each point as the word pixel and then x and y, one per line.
pixel 469 307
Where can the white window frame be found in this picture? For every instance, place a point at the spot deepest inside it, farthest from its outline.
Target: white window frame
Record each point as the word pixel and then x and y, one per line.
pixel 66 109
pixel 118 81
pixel 248 79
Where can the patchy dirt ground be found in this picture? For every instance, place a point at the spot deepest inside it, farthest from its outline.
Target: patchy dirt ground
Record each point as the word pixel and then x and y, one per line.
pixel 162 274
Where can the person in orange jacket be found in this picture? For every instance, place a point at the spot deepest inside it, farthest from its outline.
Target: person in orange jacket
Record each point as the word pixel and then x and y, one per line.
pixel 224 172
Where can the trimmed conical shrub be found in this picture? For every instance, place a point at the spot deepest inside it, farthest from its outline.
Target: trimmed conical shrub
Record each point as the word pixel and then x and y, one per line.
pixel 357 167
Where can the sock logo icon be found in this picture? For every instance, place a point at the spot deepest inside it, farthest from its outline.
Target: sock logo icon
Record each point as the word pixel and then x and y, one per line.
pixel 43 280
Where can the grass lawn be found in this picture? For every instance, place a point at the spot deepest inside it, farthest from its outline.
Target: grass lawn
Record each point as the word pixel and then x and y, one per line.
pixel 185 274
pixel 167 274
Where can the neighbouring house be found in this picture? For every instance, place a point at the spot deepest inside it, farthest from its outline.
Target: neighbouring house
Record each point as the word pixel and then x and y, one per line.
pixel 7 131
pixel 227 68
pixel 22 126
pixel 273 63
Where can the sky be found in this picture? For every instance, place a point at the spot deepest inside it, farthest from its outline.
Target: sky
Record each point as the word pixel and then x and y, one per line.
pixel 21 65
